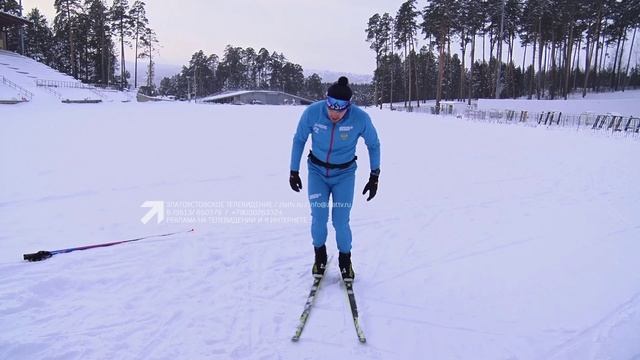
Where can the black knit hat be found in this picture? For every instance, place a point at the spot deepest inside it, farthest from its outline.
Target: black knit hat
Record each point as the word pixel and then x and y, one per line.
pixel 340 90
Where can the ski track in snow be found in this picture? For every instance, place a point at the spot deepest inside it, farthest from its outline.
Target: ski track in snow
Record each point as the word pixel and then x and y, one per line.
pixel 600 332
pixel 485 241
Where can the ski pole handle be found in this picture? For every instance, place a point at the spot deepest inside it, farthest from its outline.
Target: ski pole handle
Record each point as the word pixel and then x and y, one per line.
pixel 39 256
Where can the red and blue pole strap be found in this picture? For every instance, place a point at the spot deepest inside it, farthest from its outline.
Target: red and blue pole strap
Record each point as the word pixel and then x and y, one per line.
pixel 44 254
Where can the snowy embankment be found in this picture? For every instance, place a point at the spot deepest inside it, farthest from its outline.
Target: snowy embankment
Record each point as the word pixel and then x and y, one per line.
pixel 623 103
pixel 485 241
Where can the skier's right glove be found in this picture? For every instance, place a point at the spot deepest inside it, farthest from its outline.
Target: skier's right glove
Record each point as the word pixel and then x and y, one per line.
pixel 294 181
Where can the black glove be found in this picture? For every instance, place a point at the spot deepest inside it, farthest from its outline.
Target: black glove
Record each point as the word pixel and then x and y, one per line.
pixel 372 185
pixel 294 181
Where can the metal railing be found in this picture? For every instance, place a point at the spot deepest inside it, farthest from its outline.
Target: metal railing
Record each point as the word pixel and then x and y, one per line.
pixel 62 84
pixel 105 87
pixel 50 84
pixel 24 93
pixel 611 123
pixel 614 123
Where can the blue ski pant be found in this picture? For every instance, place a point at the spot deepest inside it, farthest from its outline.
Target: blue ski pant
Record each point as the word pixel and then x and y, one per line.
pixel 339 186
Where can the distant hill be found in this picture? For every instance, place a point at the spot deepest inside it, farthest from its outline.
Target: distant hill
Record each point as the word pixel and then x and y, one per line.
pixel 332 76
pixel 165 70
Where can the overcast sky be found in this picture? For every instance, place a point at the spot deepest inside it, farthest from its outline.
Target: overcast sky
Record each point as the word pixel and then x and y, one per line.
pixel 323 35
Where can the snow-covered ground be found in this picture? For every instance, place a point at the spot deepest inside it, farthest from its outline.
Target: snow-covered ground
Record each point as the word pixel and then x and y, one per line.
pixel 7 93
pixel 485 241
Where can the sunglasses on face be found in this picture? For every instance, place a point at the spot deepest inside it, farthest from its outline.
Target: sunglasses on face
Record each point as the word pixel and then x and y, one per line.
pixel 337 104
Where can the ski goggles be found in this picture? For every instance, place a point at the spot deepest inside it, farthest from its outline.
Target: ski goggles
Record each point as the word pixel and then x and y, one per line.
pixel 337 104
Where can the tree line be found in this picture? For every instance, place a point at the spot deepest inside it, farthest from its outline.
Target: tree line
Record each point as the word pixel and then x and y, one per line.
pixel 90 41
pixel 568 45
pixel 86 39
pixel 553 34
pixel 241 69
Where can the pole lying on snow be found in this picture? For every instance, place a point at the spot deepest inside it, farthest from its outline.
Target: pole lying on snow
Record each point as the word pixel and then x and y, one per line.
pixel 43 254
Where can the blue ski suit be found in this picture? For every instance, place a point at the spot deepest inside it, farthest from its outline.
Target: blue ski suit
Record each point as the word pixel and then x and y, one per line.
pixel 333 144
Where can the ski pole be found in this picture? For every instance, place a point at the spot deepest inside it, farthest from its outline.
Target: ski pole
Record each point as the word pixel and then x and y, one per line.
pixel 44 254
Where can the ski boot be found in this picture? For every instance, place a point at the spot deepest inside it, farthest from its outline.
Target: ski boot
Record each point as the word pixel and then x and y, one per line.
pixel 346 270
pixel 320 262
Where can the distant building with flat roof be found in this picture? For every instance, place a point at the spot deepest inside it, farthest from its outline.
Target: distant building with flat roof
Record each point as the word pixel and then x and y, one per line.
pixel 266 97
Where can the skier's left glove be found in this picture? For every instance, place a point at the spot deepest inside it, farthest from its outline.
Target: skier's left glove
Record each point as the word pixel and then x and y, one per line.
pixel 294 181
pixel 372 185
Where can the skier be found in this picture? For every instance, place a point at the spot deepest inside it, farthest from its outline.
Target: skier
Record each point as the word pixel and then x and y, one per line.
pixel 335 125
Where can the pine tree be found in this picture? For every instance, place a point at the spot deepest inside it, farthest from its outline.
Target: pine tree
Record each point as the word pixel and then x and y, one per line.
pixel 405 27
pixel 374 35
pixel 232 69
pixel 82 45
pixel 199 74
pixel 313 87
pixel 140 27
pixel 461 29
pixel 634 18
pixel 292 78
pixel 122 26
pixel 100 59
pixel 10 6
pixel 385 35
pixel 148 41
pixel 390 57
pixel 249 60
pixel 39 38
pixel 262 68
pixel 276 62
pixel 531 33
pixel 512 16
pixel 427 72
pixel 65 23
pixel 438 19
pixel 474 18
pixel 625 17
pixel 452 81
pixel 167 87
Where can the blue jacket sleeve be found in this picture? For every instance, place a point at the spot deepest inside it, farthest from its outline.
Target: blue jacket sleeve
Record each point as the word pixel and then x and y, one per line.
pixel 370 136
pixel 299 141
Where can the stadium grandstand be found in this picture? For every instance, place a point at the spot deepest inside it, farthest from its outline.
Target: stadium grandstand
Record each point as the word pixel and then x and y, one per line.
pixel 23 79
